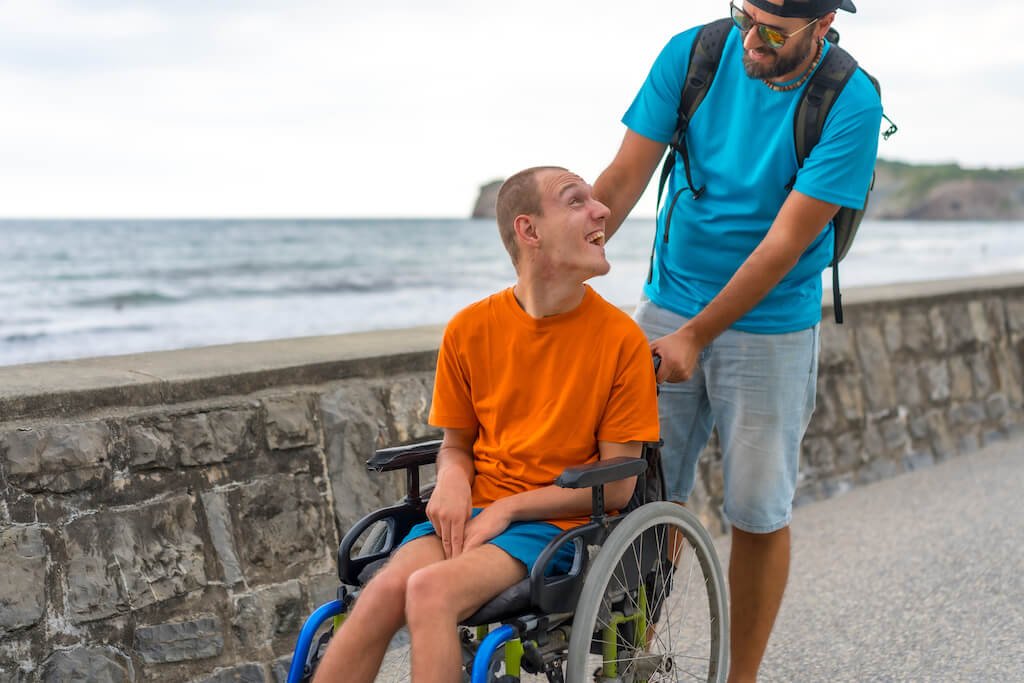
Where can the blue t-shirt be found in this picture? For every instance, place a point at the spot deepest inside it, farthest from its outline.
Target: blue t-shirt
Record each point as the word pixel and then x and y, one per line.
pixel 741 148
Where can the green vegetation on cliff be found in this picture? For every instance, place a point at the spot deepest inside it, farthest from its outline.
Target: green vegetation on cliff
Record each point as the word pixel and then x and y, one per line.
pixel 946 192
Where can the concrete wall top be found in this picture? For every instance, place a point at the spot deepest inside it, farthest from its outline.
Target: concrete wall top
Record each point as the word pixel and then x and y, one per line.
pixel 66 388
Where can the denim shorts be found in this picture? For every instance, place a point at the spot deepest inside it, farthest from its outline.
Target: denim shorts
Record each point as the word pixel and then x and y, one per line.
pixel 759 391
pixel 522 540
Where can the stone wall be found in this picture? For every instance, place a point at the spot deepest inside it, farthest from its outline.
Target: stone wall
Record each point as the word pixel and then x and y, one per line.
pixel 174 516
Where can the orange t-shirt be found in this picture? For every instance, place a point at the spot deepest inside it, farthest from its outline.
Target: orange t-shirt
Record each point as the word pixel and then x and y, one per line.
pixel 544 391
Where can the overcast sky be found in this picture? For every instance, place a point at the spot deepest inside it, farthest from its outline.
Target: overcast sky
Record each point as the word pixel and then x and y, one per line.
pixel 286 108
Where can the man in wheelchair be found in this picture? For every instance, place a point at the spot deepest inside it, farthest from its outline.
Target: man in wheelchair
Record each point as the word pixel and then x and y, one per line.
pixel 542 376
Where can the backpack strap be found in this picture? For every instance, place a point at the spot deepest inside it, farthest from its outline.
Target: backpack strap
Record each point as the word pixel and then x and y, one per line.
pixel 836 69
pixel 705 55
pixel 822 91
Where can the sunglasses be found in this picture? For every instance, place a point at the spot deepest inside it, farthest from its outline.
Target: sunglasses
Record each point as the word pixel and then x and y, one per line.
pixel 772 37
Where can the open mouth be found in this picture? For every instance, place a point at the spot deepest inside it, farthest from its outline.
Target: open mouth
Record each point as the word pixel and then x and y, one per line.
pixel 596 237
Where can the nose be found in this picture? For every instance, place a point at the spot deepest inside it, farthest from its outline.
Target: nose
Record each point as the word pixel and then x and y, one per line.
pixel 601 212
pixel 751 39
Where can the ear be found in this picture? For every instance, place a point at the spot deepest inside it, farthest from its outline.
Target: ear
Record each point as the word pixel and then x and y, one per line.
pixel 526 229
pixel 824 24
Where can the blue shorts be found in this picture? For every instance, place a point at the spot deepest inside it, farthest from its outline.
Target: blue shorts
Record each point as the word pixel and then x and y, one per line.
pixel 759 390
pixel 522 540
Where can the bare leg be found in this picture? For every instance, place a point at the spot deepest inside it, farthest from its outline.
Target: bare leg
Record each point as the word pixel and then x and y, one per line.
pixel 758 570
pixel 441 595
pixel 356 651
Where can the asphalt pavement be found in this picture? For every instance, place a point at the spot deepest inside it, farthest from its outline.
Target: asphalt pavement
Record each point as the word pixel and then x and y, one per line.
pixel 915 578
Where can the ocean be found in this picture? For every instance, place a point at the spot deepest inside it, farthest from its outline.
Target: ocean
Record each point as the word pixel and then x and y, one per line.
pixel 80 288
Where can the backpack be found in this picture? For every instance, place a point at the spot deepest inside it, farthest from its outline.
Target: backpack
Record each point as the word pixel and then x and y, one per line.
pixel 823 88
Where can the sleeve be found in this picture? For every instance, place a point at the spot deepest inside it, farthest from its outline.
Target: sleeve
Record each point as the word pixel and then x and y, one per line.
pixel 631 413
pixel 840 167
pixel 654 110
pixel 452 403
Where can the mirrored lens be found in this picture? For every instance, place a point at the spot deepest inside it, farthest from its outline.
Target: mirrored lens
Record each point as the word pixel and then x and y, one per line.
pixel 771 36
pixel 741 19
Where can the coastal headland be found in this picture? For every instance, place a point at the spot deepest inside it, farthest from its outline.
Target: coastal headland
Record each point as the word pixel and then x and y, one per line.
pixel 905 191
pixel 174 516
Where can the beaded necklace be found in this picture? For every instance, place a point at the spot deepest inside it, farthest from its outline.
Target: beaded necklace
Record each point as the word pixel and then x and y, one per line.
pixel 803 79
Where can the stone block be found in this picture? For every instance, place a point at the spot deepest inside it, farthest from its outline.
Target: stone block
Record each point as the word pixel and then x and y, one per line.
pixel 937 321
pixel 279 669
pixel 850 453
pixel 826 413
pixel 960 387
pixel 180 641
pixel 132 558
pixel 322 589
pixel 851 398
pixel 980 365
pixel 966 325
pixel 290 422
pixel 281 529
pixel 995 311
pixel 874 444
pixel 935 375
pixel 219 522
pixel 895 435
pixel 836 346
pixel 152 445
pixel 992 436
pixel 87 665
pixel 878 470
pixel 918 460
pixel 998 408
pixel 58 459
pixel 917 332
pixel 908 385
pixel 892 331
pixel 408 404
pixel 967 414
pixel 874 363
pixel 354 423
pixel 23 558
pixel 1010 375
pixel 268 613
pixel 1015 319
pixel 918 427
pixel 837 486
pixel 245 673
pixel 820 455
pixel 939 437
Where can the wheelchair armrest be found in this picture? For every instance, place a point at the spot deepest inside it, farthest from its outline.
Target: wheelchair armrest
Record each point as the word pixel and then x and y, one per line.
pixel 403 457
pixel 599 473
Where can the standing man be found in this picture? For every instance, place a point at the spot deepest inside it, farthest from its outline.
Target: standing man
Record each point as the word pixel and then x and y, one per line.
pixel 733 301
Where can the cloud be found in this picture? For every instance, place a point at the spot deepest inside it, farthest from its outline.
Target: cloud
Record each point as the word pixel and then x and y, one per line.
pixel 403 108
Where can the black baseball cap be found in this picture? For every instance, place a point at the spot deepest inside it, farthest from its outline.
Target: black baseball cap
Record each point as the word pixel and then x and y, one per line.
pixel 807 9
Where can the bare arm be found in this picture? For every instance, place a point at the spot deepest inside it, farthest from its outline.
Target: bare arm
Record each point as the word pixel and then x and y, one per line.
pixel 798 222
pixel 451 503
pixel 620 186
pixel 552 502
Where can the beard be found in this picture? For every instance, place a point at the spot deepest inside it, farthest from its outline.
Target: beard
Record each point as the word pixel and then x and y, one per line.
pixel 782 64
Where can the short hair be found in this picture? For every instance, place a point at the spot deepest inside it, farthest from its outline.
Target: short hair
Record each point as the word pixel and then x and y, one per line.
pixel 518 195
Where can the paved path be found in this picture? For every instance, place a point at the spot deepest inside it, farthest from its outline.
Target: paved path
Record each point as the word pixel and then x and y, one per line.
pixel 917 578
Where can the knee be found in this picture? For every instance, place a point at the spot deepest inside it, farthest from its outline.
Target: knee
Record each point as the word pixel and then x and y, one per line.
pixel 427 596
pixel 383 595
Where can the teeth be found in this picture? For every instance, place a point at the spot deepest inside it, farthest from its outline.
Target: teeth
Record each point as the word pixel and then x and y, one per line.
pixel 596 238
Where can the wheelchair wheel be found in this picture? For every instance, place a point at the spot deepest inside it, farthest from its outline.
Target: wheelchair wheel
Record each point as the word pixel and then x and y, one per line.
pixel 643 617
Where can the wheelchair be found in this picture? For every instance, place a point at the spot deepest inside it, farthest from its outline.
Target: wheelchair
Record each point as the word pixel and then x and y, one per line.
pixel 644 599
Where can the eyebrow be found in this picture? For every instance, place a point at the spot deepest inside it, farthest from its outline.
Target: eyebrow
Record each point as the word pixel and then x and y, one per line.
pixel 571 187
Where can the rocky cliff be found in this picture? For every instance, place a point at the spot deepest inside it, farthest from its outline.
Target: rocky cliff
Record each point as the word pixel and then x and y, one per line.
pixel 910 192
